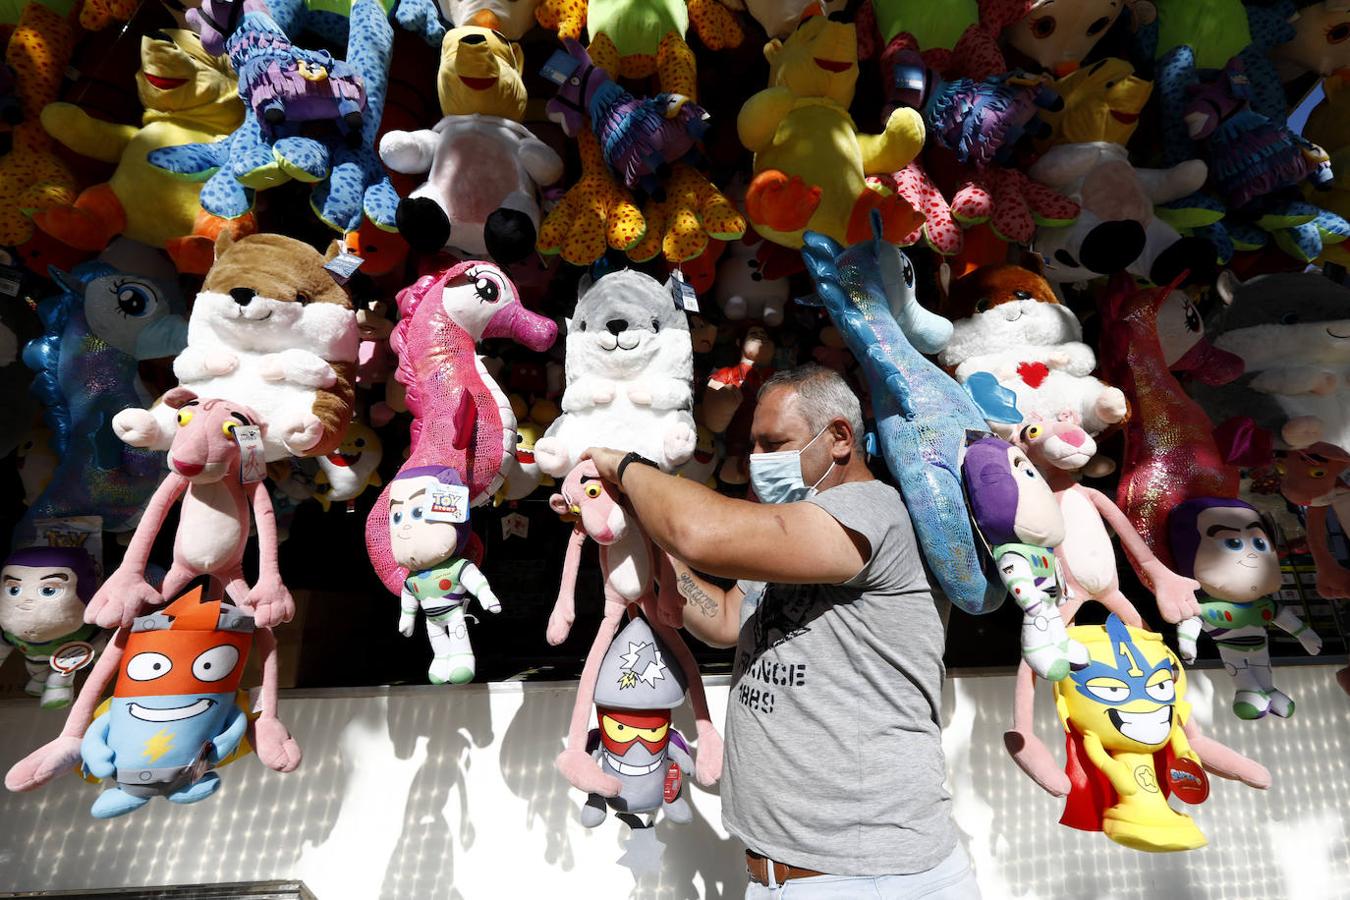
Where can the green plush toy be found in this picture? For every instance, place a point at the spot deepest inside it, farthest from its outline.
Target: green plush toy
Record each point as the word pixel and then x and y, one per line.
pixel 189 96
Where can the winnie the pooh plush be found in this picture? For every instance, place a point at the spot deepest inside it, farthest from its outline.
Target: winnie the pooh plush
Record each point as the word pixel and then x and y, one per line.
pixel 811 164
pixel 188 96
pixel 485 167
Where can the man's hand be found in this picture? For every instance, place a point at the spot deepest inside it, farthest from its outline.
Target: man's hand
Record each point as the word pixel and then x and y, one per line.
pixel 606 463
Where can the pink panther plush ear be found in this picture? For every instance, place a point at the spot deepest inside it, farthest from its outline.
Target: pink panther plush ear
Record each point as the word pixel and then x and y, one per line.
pixel 178 397
pixel 558 503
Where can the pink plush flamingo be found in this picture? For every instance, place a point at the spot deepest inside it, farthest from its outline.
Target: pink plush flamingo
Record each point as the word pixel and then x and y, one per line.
pixel 631 564
pixel 1170 452
pixel 457 420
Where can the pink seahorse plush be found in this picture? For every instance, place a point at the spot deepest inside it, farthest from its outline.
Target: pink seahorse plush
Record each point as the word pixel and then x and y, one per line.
pixel 457 420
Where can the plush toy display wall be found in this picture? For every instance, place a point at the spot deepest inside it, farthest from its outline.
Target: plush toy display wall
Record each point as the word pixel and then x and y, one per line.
pixel 1079 260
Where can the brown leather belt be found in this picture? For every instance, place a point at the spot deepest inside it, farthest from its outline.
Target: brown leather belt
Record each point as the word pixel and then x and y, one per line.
pixel 758 868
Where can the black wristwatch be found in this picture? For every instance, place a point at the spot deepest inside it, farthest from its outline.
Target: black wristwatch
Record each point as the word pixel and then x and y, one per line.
pixel 633 457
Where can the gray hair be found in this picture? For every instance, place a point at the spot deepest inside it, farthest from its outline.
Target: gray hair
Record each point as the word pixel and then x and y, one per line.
pixel 822 396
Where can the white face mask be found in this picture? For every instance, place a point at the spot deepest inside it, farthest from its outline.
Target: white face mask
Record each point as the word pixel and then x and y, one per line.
pixel 777 477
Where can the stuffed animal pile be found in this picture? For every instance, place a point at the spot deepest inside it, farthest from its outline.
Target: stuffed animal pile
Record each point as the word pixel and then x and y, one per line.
pixel 357 283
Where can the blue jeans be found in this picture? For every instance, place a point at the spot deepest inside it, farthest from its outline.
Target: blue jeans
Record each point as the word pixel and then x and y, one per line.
pixel 951 879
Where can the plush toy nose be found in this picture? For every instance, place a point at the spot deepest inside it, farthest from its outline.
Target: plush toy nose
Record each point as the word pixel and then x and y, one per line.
pixel 473 39
pixel 1111 246
pixel 422 223
pixel 616 326
pixel 1074 438
pixel 243 296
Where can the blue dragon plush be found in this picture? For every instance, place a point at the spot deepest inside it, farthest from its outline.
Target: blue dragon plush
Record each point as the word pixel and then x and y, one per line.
pixel 922 414
pixel 348 180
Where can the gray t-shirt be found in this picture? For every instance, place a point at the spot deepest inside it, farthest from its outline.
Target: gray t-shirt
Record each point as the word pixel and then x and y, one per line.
pixel 833 735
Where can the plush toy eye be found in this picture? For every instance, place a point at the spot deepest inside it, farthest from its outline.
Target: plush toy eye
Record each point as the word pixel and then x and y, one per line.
pixel 486 285
pixel 908 271
pixel 13 590
pixel 1233 544
pixel 1108 690
pixel 1043 27
pixel 229 428
pixel 574 81
pixel 582 326
pixel 134 301
pixel 1098 27
pixel 184 417
pixel 302 298
pixel 360 442
pixel 148 666
pixel 49 591
pixel 656 325
pixel 1260 545
pixel 397 517
pixel 594 490
pixel 417 513
pixel 216 663
pixel 1317 473
pixel 981 304
pixel 1338 33
pixel 1031 432
pixel 1164 690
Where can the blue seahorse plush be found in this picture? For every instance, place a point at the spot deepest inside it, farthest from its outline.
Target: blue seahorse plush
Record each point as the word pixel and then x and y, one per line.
pixel 922 414
pixel 348 180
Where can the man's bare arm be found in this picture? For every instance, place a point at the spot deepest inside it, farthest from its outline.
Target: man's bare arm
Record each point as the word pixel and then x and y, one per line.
pixel 788 543
pixel 711 614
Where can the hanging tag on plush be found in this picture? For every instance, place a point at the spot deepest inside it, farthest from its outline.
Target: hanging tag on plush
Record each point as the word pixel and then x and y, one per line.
pixel 446 503
pixel 559 67
pixel 683 293
pixel 252 463
pixel 515 525
pixel 343 266
pixel 72 657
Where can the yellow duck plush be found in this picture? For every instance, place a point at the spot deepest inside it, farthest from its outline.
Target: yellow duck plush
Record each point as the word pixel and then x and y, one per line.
pixel 189 97
pixel 811 164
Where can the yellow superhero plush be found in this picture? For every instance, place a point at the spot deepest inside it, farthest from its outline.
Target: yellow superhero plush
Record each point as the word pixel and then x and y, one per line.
pixel 1124 715
pixel 189 97
pixel 811 164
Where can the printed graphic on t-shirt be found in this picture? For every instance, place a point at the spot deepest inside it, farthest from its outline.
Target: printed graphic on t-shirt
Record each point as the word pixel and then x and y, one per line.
pixel 781 616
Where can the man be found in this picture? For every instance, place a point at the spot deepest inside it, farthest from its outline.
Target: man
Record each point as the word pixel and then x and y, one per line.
pixel 834 768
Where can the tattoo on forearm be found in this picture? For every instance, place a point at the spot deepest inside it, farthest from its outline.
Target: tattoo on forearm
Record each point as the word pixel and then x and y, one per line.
pixel 696 596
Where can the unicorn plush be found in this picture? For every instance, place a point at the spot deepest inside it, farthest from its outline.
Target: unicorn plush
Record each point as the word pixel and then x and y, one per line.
pixel 95 332
pixel 922 414
pixel 457 420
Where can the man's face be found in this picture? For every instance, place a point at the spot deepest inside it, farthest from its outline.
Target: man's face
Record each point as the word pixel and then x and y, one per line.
pixel 778 425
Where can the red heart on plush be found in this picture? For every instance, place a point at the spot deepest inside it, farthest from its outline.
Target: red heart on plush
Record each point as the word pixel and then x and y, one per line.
pixel 1033 373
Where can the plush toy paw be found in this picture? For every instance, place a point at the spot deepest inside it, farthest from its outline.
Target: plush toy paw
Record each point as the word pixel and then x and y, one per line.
pixel 566 17
pixel 1302 431
pixel 222 362
pixel 274 745
pixel 121 599
pixel 299 367
pixel 716 27
pixel 551 455
pixel 1175 594
pixel 708 763
pixel 1012 204
pixel 56 757
pixel 559 627
pixel 584 774
pixel 1110 406
pixel 693 211
pixel 137 428
pixel 780 202
pixel 271 603
pixel 407 622
pixel 301 436
pixel 1333 582
pixel 1036 760
pixel 679 445
pixel 594 214
pixel 898 217
pixel 938 228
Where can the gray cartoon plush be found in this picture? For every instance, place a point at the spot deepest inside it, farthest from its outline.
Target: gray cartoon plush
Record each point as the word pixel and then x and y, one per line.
pixel 1292 332
pixel 630 370
pixel 634 693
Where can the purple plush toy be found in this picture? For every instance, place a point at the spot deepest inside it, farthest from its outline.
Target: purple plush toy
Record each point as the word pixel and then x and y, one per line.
pixel 638 137
pixel 1017 514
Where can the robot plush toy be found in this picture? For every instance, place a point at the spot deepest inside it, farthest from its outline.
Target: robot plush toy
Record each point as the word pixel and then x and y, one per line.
pixel 635 743
pixel 1223 544
pixel 173 714
pixel 429 536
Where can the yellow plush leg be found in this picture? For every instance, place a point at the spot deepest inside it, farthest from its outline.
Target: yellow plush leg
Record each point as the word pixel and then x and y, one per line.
pixel 596 212
pixel 605 55
pixel 676 68
pixel 693 210
pixel 567 17
pixel 717 28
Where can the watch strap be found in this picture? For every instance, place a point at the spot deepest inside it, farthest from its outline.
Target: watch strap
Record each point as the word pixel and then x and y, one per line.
pixel 633 457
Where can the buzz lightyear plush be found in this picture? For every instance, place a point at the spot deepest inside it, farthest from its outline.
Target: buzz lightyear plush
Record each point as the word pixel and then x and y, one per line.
pixel 429 533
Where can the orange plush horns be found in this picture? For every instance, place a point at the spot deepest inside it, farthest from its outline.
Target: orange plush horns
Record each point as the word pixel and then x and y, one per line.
pixel 191 612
